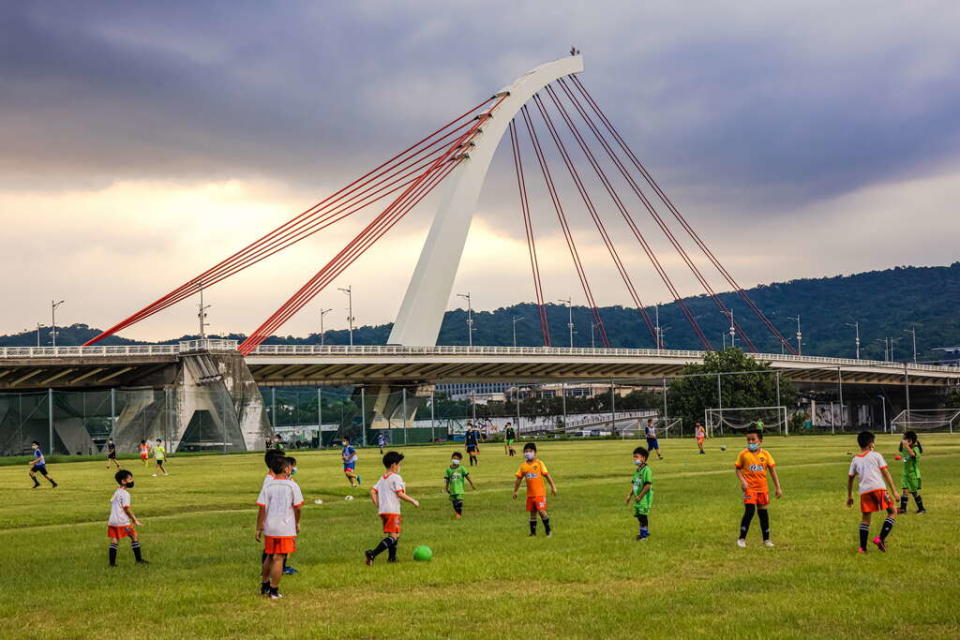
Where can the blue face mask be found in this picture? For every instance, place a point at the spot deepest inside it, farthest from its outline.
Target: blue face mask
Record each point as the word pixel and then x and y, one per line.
pixel 753 446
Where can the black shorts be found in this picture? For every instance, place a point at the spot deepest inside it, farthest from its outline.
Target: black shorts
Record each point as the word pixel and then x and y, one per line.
pixel 41 470
pixel 160 462
pixel 112 455
pixel 471 448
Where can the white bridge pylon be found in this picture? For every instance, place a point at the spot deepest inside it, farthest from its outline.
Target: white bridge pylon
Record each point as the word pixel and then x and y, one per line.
pixel 421 313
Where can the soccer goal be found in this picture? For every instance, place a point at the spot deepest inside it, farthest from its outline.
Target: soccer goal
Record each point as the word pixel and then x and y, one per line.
pixel 734 419
pixel 926 420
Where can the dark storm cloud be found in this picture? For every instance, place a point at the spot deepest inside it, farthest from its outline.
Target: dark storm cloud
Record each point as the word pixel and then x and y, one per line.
pixel 764 108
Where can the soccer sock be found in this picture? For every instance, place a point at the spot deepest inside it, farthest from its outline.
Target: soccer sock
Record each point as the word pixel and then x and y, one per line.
pixel 113 554
pixel 35 483
pixel 458 506
pixel 136 551
pixel 533 526
pixel 546 524
pixel 904 498
pixel 383 546
pixel 748 511
pixel 644 524
pixel 864 534
pixel 887 527
pixel 392 554
pixel 764 523
pixel 918 500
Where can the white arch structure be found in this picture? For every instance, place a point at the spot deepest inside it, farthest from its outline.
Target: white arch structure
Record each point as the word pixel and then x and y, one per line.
pixel 421 313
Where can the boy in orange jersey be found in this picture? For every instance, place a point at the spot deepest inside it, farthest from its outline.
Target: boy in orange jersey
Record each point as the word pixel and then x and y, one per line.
pixel 144 450
pixel 533 470
pixel 701 434
pixel 752 465
pixel 874 481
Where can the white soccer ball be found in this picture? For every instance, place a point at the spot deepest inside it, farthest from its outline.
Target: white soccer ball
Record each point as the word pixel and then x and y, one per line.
pixel 318 501
pixel 348 498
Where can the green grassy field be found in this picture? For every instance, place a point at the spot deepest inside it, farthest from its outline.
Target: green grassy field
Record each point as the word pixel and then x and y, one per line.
pixel 488 579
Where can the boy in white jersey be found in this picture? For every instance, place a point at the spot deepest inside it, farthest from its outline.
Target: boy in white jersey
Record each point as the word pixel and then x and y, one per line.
pixel 278 523
pixel 874 481
pixel 122 521
pixel 386 495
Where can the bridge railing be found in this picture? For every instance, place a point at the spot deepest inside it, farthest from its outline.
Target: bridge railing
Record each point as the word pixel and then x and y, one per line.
pixel 114 350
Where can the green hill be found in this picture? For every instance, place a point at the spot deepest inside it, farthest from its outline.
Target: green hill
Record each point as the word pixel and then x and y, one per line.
pixel 885 303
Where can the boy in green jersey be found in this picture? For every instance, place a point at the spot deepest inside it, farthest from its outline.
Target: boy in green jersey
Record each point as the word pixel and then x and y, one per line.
pixel 509 435
pixel 159 456
pixel 453 482
pixel 641 492
pixel 910 449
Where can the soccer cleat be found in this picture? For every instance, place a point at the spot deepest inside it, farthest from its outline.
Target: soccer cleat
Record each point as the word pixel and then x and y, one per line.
pixel 392 560
pixel 142 562
pixel 457 516
pixel 768 543
pixel 549 534
pixel 153 475
pixel 359 481
pixel 55 485
pixel 532 534
pixel 289 570
pixel 861 550
pixel 881 545
pixel 264 588
pixel 921 511
pixel 276 596
pixel 741 542
pixel 368 557
pixel 900 512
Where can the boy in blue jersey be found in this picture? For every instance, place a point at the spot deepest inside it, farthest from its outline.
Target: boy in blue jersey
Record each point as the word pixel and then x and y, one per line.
pixel 349 456
pixel 39 465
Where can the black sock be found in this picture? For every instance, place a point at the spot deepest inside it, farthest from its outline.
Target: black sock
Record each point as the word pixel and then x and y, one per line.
pixel 904 498
pixel 644 523
pixel 35 483
pixel 284 562
pixel 136 551
pixel 533 526
pixel 918 500
pixel 887 527
pixel 546 524
pixel 274 591
pixel 864 534
pixel 113 555
pixel 392 554
pixel 764 523
pixel 748 511
pixel 383 546
pixel 458 506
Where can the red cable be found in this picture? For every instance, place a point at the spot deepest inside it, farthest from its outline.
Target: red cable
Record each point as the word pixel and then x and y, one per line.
pixel 648 249
pixel 200 281
pixel 528 229
pixel 568 236
pixel 681 219
pixel 611 248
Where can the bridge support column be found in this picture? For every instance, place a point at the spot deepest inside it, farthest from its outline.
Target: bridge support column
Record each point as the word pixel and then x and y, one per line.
pixel 392 411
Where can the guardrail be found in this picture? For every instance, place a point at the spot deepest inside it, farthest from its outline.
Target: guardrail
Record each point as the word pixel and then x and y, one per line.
pixel 119 350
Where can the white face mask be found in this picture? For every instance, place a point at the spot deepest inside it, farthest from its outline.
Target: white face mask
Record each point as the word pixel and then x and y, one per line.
pixel 529 455
pixel 455 462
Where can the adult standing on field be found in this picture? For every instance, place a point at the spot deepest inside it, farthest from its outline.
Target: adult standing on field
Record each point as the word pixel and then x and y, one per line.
pixel 651 432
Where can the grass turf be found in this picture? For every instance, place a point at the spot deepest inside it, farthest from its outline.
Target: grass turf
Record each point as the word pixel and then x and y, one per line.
pixel 488 578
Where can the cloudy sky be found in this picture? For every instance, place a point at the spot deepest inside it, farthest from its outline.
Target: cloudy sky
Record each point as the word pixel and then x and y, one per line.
pixel 141 144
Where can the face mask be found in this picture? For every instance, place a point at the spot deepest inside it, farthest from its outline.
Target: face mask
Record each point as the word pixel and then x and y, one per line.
pixel 455 462
pixel 129 485
pixel 638 462
pixel 529 455
pixel 293 471
pixel 753 446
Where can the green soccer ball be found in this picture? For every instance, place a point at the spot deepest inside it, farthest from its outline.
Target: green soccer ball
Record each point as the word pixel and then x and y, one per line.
pixel 422 553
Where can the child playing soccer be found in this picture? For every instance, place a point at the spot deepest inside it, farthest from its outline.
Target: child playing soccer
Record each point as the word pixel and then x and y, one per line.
pixel 39 465
pixel 349 456
pixel 112 453
pixel 910 449
pixel 159 456
pixel 278 523
pixel 701 435
pixel 752 465
pixel 144 450
pixel 874 481
pixel 533 470
pixel 472 439
pixel 509 435
pixel 641 492
pixel 268 458
pixel 453 479
pixel 122 521
pixel 386 495
pixel 651 434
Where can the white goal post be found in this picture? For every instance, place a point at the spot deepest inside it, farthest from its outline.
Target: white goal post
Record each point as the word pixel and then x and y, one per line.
pixel 925 420
pixel 774 418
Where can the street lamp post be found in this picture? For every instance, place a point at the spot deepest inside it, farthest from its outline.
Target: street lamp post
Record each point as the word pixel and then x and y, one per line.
pixel 799 335
pixel 39 325
pixel 53 321
pixel 913 332
pixel 569 303
pixel 350 318
pixel 856 326
pixel 515 320
pixel 323 312
pixel 733 329
pixel 466 296
pixel 886 348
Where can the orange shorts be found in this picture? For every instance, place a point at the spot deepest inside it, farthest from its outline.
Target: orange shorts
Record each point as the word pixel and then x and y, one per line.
pixel 391 522
pixel 699 440
pixel 144 456
pixel 536 503
pixel 122 531
pixel 279 544
pixel 876 500
pixel 756 497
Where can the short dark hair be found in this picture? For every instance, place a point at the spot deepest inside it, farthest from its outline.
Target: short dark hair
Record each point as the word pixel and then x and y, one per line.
pixel 122 475
pixel 457 454
pixel 391 458
pixel 278 464
pixel 530 446
pixel 508 423
pixel 291 461
pixel 36 442
pixel 911 436
pixel 270 454
pixel 756 432
pixel 642 451
pixel 143 442
pixel 159 439
pixel 865 438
